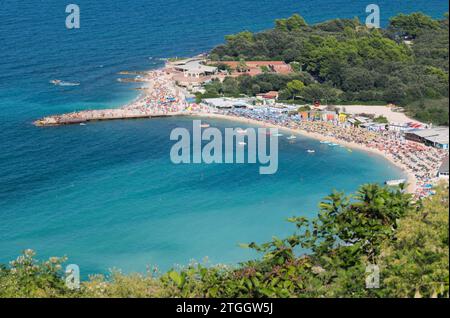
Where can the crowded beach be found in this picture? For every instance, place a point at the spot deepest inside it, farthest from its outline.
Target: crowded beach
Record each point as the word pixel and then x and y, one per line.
pixel 163 96
pixel 420 162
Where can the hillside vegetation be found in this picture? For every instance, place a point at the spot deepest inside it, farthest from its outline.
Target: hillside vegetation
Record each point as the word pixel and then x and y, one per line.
pixel 343 61
pixel 408 242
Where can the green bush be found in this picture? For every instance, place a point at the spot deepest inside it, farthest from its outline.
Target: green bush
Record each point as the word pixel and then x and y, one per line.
pixel 324 257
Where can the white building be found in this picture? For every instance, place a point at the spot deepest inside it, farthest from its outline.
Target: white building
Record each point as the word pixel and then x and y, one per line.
pixel 226 103
pixel 443 170
pixel 437 137
pixel 194 68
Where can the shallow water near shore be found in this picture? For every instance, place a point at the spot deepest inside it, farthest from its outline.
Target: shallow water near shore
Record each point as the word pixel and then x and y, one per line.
pixel 106 194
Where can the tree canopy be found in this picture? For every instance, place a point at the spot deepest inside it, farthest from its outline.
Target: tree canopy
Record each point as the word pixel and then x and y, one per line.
pixel 352 63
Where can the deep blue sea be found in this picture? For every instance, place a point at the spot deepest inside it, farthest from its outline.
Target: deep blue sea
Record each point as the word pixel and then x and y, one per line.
pixel 106 194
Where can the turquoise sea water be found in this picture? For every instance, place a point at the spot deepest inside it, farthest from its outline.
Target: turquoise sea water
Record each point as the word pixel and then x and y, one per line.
pixel 107 194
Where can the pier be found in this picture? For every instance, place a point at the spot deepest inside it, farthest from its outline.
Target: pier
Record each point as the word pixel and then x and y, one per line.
pixel 101 115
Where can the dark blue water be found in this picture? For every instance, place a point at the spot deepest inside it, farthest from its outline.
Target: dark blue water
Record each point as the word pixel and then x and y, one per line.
pixel 107 194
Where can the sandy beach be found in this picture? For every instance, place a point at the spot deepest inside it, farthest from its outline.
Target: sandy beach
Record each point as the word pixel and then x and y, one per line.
pixel 391 115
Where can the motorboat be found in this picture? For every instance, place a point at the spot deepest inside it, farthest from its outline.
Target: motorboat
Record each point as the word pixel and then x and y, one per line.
pixel 395 182
pixel 291 137
pixel 62 83
pixel 311 151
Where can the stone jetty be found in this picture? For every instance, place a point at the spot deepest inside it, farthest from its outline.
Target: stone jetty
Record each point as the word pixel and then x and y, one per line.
pixel 102 114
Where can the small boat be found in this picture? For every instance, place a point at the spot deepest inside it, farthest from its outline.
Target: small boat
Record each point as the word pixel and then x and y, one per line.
pixel 278 135
pixel 311 151
pixel 324 142
pixel 291 137
pixel 333 145
pixel 242 143
pixel 82 124
pixel 69 84
pixel 62 83
pixel 395 182
pixel 204 125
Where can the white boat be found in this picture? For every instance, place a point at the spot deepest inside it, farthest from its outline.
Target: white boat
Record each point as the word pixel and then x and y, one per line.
pixel 278 135
pixel 324 142
pixel 204 125
pixel 62 83
pixel 395 182
pixel 291 137
pixel 242 143
pixel 69 84
pixel 82 124
pixel 311 151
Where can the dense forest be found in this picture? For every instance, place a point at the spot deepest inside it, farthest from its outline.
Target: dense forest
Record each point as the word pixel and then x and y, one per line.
pixel 407 240
pixel 342 61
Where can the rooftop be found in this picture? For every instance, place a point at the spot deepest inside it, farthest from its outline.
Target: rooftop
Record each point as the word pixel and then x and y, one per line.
pixel 194 66
pixel 226 102
pixel 444 166
pixel 438 134
pixel 254 67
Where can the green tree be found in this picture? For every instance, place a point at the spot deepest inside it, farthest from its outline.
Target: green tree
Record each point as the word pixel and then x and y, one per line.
pixel 381 119
pixel 320 92
pixel 295 22
pixel 295 87
pixel 242 66
pixel 416 264
pixel 412 24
